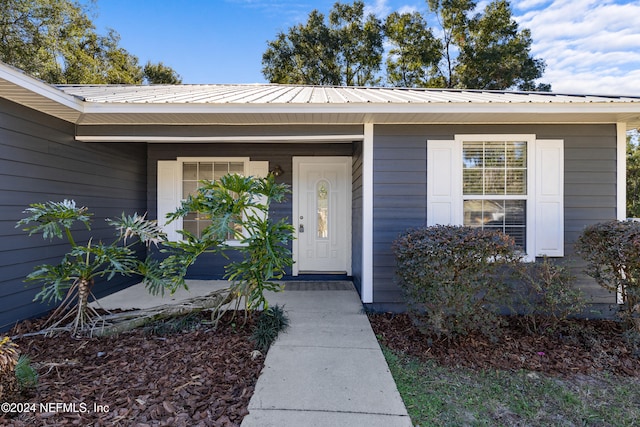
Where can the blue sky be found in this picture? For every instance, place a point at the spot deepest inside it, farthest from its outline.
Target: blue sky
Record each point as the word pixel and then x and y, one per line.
pixel 590 46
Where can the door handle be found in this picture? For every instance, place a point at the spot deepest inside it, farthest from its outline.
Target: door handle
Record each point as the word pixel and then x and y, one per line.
pixel 301 228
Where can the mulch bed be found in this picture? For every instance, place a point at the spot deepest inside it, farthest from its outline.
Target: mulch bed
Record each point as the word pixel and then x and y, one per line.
pixel 578 347
pixel 196 377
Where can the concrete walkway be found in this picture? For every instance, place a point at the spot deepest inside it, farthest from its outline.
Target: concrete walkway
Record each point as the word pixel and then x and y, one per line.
pixel 326 370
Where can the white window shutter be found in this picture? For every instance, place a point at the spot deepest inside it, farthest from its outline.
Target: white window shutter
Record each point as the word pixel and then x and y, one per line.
pixel 444 183
pixel 169 179
pixel 549 198
pixel 259 169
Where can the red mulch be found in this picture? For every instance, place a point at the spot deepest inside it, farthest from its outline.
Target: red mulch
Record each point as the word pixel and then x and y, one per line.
pixel 578 347
pixel 197 377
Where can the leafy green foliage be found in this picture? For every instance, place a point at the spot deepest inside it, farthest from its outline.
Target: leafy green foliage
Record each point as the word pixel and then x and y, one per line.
pixel 545 295
pixel 79 267
pixel 454 278
pixel 612 252
pixel 237 206
pixel 487 50
pixel 25 373
pixel 56 41
pixel 346 50
pixel 159 73
pixel 269 324
pixel 633 176
pixel 414 50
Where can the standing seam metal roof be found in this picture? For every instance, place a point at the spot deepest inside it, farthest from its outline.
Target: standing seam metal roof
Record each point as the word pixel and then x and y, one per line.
pixel 294 94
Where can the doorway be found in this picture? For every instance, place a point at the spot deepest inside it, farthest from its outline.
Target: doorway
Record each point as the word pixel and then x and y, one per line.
pixel 322 215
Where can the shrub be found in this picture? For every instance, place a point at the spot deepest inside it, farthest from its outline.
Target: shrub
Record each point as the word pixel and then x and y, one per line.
pixel 269 324
pixel 545 295
pixel 612 252
pixel 25 373
pixel 454 278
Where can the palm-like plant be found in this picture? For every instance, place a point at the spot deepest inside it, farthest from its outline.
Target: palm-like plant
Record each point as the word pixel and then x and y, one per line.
pixel 238 206
pixel 76 273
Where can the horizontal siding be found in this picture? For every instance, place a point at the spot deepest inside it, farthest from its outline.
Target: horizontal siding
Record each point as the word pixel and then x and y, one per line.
pixel 400 188
pixel 356 216
pixel 400 202
pixel 40 161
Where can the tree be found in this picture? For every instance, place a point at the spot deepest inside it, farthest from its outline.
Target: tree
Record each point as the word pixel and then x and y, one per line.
pixel 345 51
pixel 482 51
pixel 633 176
pixel 359 44
pixel 485 51
pixel 414 52
pixel 160 74
pixel 56 41
pixel 306 55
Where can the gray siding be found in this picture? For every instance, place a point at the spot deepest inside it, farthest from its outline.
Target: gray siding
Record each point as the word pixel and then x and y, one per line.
pixel 356 216
pixel 40 161
pixel 400 188
pixel 277 154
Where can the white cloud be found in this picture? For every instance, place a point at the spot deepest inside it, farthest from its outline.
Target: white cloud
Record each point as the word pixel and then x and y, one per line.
pixel 590 46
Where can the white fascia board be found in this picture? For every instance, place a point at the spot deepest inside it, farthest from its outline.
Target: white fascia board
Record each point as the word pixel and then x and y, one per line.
pixel 204 139
pixel 38 87
pixel 366 108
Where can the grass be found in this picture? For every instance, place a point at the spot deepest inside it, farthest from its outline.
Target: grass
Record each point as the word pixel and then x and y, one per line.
pixel 439 396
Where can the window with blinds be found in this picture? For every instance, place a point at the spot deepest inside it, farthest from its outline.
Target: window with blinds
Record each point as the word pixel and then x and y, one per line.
pixel 494 186
pixel 192 175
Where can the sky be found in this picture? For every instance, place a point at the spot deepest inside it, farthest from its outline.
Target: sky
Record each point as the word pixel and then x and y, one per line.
pixel 589 46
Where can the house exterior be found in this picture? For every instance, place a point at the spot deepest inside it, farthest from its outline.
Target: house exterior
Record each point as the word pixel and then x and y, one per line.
pixel 364 165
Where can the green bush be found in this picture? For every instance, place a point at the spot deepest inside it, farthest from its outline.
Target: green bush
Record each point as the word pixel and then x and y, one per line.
pixel 26 374
pixel 544 296
pixel 269 324
pixel 454 278
pixel 612 252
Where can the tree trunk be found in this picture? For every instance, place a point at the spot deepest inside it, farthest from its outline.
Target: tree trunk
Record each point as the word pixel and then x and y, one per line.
pixel 127 320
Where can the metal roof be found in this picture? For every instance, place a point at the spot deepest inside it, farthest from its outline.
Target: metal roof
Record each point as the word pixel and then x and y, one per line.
pixel 299 94
pixel 269 104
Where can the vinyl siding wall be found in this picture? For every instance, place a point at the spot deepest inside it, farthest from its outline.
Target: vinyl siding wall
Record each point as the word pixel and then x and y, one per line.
pixel 356 216
pixel 400 189
pixel 40 161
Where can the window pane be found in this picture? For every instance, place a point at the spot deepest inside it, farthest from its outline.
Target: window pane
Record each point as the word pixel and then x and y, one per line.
pixel 205 171
pixel 494 155
pixel 494 168
pixel 472 154
pixel 516 182
pixel 516 154
pixel 494 181
pixel 189 188
pixel 508 216
pixel 472 181
pixel 322 207
pixel 190 171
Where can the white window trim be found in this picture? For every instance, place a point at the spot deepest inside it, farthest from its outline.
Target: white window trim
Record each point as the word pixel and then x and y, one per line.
pixel 453 194
pixel 529 197
pixel 174 191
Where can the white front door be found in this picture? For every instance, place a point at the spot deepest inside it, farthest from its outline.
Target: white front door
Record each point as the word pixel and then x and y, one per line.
pixel 322 214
